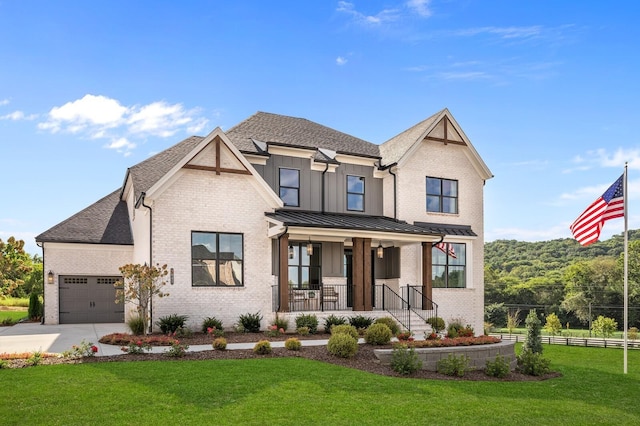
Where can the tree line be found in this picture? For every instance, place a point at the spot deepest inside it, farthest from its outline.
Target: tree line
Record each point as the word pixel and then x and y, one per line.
pixel 576 283
pixel 20 273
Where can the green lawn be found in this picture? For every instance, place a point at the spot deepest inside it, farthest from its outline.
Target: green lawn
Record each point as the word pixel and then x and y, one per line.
pixel 593 390
pixel 13 315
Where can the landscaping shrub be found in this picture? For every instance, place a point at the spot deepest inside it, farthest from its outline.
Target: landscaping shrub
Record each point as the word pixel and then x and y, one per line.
pixel 220 344
pixel 136 347
pixel 345 329
pixel 404 360
pixel 250 323
pixel 533 341
pixel 405 336
pixel 532 363
pixel 498 368
pixel 35 358
pixel 4 364
pixel 292 344
pixel 361 322
pixel 281 323
pixel 553 325
pixel 263 347
pixel 632 333
pixel 35 307
pixel 342 345
pixel 436 323
pixel 389 322
pixel 378 334
pixel 84 349
pixel 177 349
pixel 303 331
pixel 453 365
pixel 171 323
pixel 136 325
pixel 332 320
pixel 604 326
pixel 211 323
pixel 457 329
pixel 307 320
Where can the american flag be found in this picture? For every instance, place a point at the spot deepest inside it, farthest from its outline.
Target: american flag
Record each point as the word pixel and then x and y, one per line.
pixel 447 248
pixel 586 228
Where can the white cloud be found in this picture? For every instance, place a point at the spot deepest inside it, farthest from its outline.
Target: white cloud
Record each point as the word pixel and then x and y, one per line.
pixel 603 158
pixel 17 116
pixel 421 7
pixel 100 117
pixel 4 102
pixel 503 32
pixel 341 61
pixel 386 15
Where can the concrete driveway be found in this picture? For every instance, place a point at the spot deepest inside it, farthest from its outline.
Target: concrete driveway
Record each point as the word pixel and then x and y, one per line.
pixel 30 337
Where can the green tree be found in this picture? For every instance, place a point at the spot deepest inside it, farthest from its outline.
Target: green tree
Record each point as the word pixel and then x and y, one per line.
pixel 15 266
pixel 533 341
pixel 140 284
pixel 604 326
pixel 553 324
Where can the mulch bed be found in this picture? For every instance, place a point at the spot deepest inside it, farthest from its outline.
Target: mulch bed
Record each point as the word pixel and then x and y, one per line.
pixel 364 360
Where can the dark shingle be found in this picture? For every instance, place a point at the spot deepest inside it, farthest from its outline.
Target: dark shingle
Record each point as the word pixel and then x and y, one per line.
pixel 298 132
pixel 447 229
pixel 104 222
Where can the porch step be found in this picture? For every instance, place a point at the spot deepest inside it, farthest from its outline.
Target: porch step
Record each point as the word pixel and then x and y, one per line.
pixel 418 326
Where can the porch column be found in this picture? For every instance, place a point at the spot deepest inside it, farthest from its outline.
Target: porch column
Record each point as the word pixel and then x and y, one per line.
pixel 357 280
pixel 427 268
pixel 367 292
pixel 283 272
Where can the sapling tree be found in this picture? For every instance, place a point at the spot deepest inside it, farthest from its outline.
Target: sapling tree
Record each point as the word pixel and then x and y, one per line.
pixel 533 342
pixel 553 324
pixel 604 326
pixel 139 284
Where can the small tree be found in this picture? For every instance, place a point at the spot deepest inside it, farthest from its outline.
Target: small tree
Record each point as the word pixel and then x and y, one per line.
pixel 604 326
pixel 513 320
pixel 139 285
pixel 533 342
pixel 553 324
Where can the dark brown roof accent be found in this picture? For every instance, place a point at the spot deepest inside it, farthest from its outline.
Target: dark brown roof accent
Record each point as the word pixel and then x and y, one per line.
pixel 447 229
pixel 296 132
pixel 347 221
pixel 104 222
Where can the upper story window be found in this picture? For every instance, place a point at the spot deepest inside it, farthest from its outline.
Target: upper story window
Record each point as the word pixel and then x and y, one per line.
pixel 217 259
pixel 449 265
pixel 355 193
pixel 290 187
pixel 442 195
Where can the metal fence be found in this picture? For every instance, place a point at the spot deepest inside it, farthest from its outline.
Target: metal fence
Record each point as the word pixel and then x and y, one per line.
pixel 574 341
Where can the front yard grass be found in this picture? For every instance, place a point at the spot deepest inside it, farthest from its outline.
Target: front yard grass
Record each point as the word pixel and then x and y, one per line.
pixel 592 390
pixel 12 316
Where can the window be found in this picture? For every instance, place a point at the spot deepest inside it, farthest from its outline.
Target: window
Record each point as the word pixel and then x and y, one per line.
pixel 442 195
pixel 217 259
pixel 304 270
pixel 355 193
pixel 449 265
pixel 290 187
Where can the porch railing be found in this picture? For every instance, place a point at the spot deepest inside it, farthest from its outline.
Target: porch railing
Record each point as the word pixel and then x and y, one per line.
pixel 388 300
pixel 421 305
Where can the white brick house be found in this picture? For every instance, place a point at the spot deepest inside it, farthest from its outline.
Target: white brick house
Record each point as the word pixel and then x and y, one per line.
pixel 280 214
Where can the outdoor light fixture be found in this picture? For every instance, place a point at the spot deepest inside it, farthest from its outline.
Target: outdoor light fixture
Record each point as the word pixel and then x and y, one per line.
pixel 171 276
pixel 50 277
pixel 290 252
pixel 309 247
pixel 380 251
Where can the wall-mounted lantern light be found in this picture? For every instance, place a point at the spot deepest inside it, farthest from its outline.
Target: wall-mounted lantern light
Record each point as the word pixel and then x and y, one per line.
pixel 309 248
pixel 50 277
pixel 290 252
pixel 380 251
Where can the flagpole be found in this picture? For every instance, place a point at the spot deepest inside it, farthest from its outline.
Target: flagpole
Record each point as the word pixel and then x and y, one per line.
pixel 626 267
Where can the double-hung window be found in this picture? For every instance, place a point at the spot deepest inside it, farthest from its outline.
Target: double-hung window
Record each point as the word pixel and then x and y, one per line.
pixel 355 193
pixel 304 268
pixel 290 187
pixel 442 195
pixel 217 259
pixel 449 265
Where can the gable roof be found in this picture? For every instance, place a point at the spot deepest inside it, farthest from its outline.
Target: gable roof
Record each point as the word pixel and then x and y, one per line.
pixel 393 149
pixel 278 129
pixel 104 222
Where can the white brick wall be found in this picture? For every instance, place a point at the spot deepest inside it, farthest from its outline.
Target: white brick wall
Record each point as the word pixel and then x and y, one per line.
pixel 78 259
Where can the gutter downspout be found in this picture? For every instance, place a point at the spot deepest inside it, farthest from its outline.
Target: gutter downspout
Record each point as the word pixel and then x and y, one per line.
pixel 323 184
pixel 395 193
pixel 141 202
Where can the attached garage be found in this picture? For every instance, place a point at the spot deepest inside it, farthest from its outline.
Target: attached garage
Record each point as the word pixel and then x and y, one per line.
pixel 86 299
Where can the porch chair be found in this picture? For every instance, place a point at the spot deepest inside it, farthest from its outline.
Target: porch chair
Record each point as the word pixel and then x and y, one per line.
pixel 298 298
pixel 329 295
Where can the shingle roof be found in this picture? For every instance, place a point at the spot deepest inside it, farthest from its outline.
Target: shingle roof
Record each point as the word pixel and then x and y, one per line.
pixel 298 132
pixel 447 229
pixel 393 149
pixel 104 222
pixel 346 221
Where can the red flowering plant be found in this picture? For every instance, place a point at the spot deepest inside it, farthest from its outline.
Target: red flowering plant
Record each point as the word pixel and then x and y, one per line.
pixel 215 332
pixel 274 331
pixel 137 347
pixel 457 341
pixel 84 349
pixel 405 336
pixel 431 336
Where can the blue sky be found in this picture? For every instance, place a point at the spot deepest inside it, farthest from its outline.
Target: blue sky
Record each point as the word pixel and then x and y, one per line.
pixel 546 91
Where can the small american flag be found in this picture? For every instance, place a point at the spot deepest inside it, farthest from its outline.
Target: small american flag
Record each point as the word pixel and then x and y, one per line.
pixel 586 228
pixel 447 248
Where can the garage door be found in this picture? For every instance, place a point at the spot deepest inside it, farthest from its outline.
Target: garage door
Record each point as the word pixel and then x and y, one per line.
pixel 89 299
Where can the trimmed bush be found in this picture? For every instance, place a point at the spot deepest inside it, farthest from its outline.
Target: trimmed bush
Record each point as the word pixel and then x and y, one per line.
pixel 533 341
pixel 497 368
pixel 405 361
pixel 307 320
pixel 281 323
pixel 303 331
pixel 378 334
pixel 361 322
pixel 456 329
pixel 436 323
pixel 345 329
pixel 250 323
pixel 332 320
pixel 453 365
pixel 220 344
pixel 171 323
pixel 389 322
pixel 35 307
pixel 532 363
pixel 263 347
pixel 211 322
pixel 292 344
pixel 136 325
pixel 342 345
